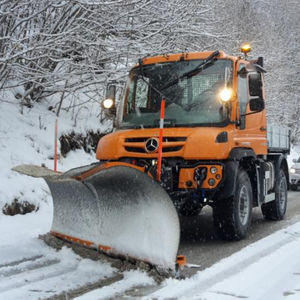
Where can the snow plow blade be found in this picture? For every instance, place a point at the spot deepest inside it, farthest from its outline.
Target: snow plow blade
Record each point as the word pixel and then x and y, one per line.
pixel 117 209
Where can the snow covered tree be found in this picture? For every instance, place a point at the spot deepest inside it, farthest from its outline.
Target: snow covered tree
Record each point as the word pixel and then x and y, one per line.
pixel 63 47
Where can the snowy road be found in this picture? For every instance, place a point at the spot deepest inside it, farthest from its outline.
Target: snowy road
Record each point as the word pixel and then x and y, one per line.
pixel 266 269
pixel 202 247
pixel 29 269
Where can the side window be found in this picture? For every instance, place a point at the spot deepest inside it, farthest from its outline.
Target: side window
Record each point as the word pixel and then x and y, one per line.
pixel 242 96
pixel 138 95
pixel 131 100
pixel 255 85
pixel 141 94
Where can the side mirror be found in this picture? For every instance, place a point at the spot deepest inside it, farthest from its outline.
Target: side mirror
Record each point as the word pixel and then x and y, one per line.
pixel 255 85
pixel 110 92
pixel 257 104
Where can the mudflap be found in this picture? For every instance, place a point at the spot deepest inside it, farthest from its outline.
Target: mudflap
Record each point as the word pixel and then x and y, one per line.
pixel 118 209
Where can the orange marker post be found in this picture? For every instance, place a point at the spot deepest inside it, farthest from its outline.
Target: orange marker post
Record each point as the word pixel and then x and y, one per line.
pixel 55 145
pixel 161 128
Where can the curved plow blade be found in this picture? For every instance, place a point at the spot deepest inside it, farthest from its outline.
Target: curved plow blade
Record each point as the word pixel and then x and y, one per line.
pixel 119 209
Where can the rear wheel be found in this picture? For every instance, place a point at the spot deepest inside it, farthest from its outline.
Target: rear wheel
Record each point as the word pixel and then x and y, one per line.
pixel 232 217
pixel 276 209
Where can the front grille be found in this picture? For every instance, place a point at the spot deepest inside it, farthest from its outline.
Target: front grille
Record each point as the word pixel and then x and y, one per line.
pixel 142 150
pixel 165 139
pixel 170 144
pixel 135 149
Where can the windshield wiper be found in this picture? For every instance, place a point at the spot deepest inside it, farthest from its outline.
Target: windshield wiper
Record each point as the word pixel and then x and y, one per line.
pixel 207 62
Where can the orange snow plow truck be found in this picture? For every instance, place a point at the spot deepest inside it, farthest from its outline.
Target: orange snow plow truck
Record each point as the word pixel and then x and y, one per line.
pixel 191 131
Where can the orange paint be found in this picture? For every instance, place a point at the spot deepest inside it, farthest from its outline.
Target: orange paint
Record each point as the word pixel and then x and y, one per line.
pixel 187 175
pixel 80 241
pixel 200 142
pixel 181 260
pixel 160 147
pixel 73 239
pixel 104 166
pixel 185 56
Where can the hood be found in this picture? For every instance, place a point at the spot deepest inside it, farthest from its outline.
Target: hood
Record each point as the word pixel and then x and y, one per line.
pixel 187 143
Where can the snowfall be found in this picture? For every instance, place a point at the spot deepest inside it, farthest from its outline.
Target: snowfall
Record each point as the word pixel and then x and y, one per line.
pixel 29 269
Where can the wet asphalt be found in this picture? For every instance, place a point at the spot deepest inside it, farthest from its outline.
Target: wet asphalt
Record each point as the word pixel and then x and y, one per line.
pixel 201 246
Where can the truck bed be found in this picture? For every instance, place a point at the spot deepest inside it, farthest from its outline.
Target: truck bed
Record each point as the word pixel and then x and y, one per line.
pixel 278 139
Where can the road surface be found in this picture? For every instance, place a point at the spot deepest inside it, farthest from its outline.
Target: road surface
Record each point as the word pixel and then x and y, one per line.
pixel 203 248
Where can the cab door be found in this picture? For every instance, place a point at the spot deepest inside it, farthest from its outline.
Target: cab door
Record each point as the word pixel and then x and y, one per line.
pixel 252 131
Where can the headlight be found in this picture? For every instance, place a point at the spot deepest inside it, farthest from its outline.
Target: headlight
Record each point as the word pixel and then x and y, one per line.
pixel 213 170
pixel 226 94
pixel 292 171
pixel 108 103
pixel 211 182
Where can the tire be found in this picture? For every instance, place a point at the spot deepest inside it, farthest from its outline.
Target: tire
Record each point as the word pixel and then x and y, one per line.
pixel 232 217
pixel 275 210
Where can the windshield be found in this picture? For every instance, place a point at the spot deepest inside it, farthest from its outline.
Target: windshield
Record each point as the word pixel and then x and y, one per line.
pixel 192 100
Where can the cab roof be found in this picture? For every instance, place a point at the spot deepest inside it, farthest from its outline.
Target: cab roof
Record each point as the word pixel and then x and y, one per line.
pixel 184 56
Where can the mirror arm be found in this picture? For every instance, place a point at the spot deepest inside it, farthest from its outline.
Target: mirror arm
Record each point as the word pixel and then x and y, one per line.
pixel 251 113
pixel 236 122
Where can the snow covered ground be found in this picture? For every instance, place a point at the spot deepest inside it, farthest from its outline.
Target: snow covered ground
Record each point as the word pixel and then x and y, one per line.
pixel 267 269
pixel 29 139
pixel 29 269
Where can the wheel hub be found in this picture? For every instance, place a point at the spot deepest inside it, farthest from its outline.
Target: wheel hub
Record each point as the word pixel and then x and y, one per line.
pixel 282 195
pixel 244 205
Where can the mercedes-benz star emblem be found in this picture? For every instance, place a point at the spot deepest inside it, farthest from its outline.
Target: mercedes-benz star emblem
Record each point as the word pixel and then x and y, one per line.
pixel 151 145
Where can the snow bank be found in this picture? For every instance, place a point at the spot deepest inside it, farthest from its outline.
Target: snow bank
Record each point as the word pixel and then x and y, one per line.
pixel 267 269
pixel 29 139
pixel 31 270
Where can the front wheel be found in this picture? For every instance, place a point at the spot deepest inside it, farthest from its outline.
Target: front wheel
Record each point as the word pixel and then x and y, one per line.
pixel 232 217
pixel 276 209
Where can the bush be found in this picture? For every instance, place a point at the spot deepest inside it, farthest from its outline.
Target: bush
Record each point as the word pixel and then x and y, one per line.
pixel 19 208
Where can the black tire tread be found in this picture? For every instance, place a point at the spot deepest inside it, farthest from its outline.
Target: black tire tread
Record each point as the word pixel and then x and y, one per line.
pixel 271 209
pixel 226 223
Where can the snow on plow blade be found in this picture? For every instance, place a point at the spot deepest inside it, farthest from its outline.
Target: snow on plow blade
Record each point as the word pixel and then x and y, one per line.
pixel 118 209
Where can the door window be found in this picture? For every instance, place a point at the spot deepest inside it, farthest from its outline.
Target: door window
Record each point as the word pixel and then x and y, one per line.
pixel 242 95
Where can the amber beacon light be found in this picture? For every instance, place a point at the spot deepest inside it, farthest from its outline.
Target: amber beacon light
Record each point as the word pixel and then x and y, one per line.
pixel 246 48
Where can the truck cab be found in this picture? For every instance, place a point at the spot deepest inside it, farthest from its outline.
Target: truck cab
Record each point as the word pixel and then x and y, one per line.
pixel 215 148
